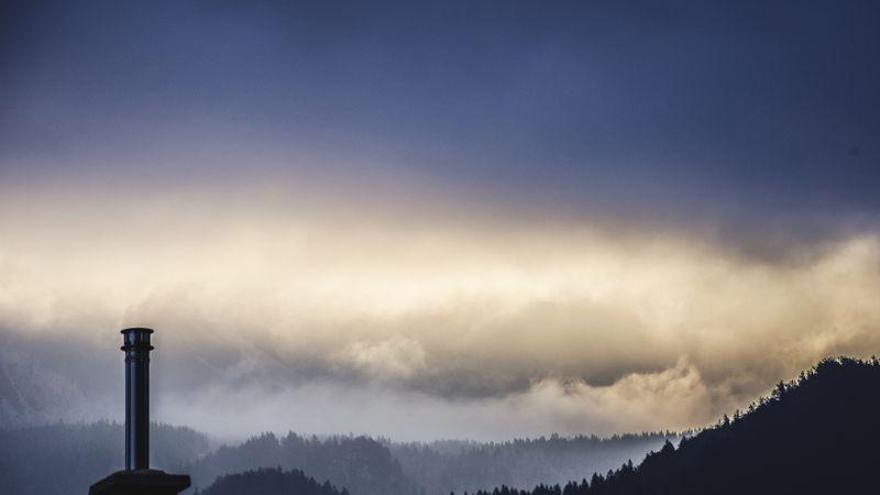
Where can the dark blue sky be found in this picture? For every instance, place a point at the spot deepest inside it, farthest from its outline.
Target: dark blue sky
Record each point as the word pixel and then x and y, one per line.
pixel 732 111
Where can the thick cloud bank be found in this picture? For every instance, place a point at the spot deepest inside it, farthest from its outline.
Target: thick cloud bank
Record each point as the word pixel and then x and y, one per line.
pixel 321 323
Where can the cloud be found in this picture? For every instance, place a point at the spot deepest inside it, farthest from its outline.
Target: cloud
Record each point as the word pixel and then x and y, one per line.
pixel 386 360
pixel 318 320
pixel 639 401
pixel 636 402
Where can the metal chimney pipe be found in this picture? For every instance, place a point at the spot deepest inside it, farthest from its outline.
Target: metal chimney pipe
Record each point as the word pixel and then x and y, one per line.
pixel 138 478
pixel 137 397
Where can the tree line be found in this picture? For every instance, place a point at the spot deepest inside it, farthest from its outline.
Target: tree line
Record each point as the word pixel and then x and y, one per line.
pixel 817 434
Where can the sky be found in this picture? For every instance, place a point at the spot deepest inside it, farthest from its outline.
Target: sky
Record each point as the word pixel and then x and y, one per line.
pixel 435 220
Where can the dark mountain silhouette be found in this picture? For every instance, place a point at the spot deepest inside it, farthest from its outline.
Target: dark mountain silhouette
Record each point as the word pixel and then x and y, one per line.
pixel 466 466
pixel 819 434
pixel 360 464
pixel 366 467
pixel 272 481
pixel 81 453
pixel 62 459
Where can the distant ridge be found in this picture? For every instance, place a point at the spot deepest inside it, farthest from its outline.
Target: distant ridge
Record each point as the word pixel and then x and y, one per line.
pixel 271 481
pixel 819 434
pixel 360 464
pixel 80 453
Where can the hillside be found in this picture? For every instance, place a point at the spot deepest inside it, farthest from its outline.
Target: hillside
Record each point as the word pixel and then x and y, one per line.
pixel 80 454
pixel 817 434
pixel 83 453
pixel 270 482
pixel 360 464
pixel 369 467
pixel 32 393
pixel 441 467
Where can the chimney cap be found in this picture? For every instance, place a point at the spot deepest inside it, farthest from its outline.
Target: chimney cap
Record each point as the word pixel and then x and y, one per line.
pixel 136 339
pixel 137 330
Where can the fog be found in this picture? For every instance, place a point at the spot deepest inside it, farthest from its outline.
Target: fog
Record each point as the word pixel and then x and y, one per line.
pixel 271 315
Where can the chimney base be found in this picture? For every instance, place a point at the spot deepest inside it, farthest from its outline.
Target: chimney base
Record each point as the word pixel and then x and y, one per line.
pixel 141 482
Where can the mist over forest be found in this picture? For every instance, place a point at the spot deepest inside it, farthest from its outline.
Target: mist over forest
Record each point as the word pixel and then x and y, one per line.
pixel 83 453
pixel 813 434
pixel 33 394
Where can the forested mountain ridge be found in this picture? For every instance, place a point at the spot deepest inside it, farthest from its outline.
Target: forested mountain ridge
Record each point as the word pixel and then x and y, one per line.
pixel 272 481
pixel 467 466
pixel 365 466
pixel 362 465
pixel 78 455
pixel 818 434
pixel 83 453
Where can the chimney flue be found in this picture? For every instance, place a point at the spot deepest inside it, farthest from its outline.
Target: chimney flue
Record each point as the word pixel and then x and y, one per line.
pixel 137 397
pixel 137 478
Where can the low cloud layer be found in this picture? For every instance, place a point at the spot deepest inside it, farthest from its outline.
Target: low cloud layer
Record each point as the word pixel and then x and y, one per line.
pixel 289 319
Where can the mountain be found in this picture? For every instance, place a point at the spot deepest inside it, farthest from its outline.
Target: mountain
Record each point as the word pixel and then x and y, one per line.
pixel 78 455
pixel 272 481
pixel 441 467
pixel 818 434
pixel 360 464
pixel 31 393
pixel 372 467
